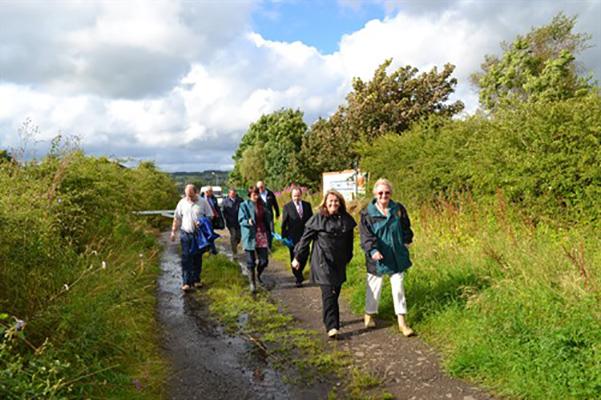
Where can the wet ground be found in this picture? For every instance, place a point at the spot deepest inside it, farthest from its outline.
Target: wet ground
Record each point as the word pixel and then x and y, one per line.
pixel 210 364
pixel 206 362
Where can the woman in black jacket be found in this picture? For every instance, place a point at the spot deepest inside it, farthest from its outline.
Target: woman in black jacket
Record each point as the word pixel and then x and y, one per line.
pixel 331 231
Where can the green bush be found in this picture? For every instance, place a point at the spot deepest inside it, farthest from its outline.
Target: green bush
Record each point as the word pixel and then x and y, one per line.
pixel 543 156
pixel 512 306
pixel 79 268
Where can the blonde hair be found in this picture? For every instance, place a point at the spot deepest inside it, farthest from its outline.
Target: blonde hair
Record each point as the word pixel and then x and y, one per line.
pixel 382 181
pixel 322 206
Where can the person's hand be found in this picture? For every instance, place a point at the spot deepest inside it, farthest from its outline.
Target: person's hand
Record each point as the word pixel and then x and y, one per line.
pixel 407 245
pixel 250 221
pixel 377 256
pixel 172 236
pixel 295 264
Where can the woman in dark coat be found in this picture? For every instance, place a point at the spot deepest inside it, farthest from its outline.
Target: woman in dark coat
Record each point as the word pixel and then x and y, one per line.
pixel 331 231
pixel 255 223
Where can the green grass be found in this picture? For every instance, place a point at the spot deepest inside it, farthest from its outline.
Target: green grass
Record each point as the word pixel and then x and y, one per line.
pixel 300 353
pixel 513 307
pixel 80 270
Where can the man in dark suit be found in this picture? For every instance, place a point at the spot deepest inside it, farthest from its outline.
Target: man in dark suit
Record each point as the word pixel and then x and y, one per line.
pixel 230 206
pixel 269 199
pixel 294 216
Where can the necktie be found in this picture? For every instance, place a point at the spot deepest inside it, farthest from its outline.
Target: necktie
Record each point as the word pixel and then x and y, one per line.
pixel 299 208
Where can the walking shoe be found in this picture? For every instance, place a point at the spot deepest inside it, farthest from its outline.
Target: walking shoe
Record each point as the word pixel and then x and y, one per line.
pixel 405 330
pixel 369 321
pixel 251 280
pixel 186 288
pixel 260 270
pixel 333 333
pixel 299 284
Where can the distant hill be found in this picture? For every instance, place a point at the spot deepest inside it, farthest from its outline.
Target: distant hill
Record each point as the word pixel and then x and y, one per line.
pixel 204 178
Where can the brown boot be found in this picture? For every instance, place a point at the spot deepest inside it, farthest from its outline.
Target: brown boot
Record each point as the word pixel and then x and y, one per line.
pixel 369 321
pixel 405 330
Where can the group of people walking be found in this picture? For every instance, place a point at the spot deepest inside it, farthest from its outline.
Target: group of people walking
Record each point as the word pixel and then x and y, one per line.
pixel 325 239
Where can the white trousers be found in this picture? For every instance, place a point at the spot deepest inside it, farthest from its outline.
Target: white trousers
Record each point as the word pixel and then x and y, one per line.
pixel 374 291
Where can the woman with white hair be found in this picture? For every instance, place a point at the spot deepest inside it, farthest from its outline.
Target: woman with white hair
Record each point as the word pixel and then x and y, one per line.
pixel 386 233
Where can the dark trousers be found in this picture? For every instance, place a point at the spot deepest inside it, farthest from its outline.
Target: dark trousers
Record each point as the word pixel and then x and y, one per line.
pixel 298 273
pixel 251 259
pixel 331 311
pixel 234 238
pixel 191 263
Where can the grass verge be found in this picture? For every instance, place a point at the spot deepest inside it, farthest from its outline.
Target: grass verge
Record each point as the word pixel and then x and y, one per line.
pixel 299 353
pixel 511 306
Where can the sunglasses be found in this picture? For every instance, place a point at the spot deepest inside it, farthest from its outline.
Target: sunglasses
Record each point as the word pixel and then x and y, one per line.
pixel 383 193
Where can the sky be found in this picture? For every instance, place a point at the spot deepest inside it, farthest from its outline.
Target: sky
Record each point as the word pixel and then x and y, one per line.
pixel 179 82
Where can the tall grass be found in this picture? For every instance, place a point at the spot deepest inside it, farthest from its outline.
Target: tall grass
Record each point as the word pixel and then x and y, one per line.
pixel 79 270
pixel 512 306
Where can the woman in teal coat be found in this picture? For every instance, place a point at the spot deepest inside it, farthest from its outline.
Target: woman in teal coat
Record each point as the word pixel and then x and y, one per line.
pixel 386 234
pixel 255 228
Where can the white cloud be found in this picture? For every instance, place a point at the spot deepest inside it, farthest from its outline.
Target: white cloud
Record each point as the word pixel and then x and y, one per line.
pixel 180 82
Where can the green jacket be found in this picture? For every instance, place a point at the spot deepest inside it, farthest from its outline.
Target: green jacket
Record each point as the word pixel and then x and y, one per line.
pixel 388 235
pixel 248 231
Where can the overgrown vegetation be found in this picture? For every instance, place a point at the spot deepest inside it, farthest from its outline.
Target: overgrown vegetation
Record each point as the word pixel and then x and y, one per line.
pixel 280 149
pixel 77 274
pixel 513 306
pixel 504 205
pixel 543 156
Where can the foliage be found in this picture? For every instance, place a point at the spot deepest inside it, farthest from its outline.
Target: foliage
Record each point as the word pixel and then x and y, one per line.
pixel 78 268
pixel 269 150
pixel 510 305
pixel 5 156
pixel 392 102
pixel 252 163
pixel 326 147
pixel 538 66
pixel 387 103
pixel 543 156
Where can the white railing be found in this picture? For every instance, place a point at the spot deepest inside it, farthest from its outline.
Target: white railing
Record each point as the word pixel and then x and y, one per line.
pixel 164 213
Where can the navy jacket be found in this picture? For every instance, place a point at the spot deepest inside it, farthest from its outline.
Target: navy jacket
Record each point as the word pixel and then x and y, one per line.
pixel 230 211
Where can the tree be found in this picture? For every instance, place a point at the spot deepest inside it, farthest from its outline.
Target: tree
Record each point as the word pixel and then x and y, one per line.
pixel 538 66
pixel 252 164
pixel 5 156
pixel 388 103
pixel 391 103
pixel 275 139
pixel 326 147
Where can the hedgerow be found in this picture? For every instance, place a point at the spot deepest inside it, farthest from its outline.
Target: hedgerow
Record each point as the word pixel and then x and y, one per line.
pixel 76 277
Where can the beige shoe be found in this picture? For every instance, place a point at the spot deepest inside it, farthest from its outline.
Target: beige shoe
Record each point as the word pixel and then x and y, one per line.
pixel 405 330
pixel 369 321
pixel 332 333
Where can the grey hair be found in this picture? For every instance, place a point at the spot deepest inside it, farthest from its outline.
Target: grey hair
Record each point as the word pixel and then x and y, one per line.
pixel 383 181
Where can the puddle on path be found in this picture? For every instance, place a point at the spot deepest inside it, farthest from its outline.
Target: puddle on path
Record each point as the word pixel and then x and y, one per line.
pixel 207 362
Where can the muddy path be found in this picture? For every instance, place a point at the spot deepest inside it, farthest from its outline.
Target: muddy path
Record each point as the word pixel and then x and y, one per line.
pixel 407 367
pixel 210 364
pixel 206 362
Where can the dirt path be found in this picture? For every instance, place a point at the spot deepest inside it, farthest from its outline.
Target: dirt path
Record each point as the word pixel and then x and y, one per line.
pixel 209 364
pixel 206 362
pixel 408 368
